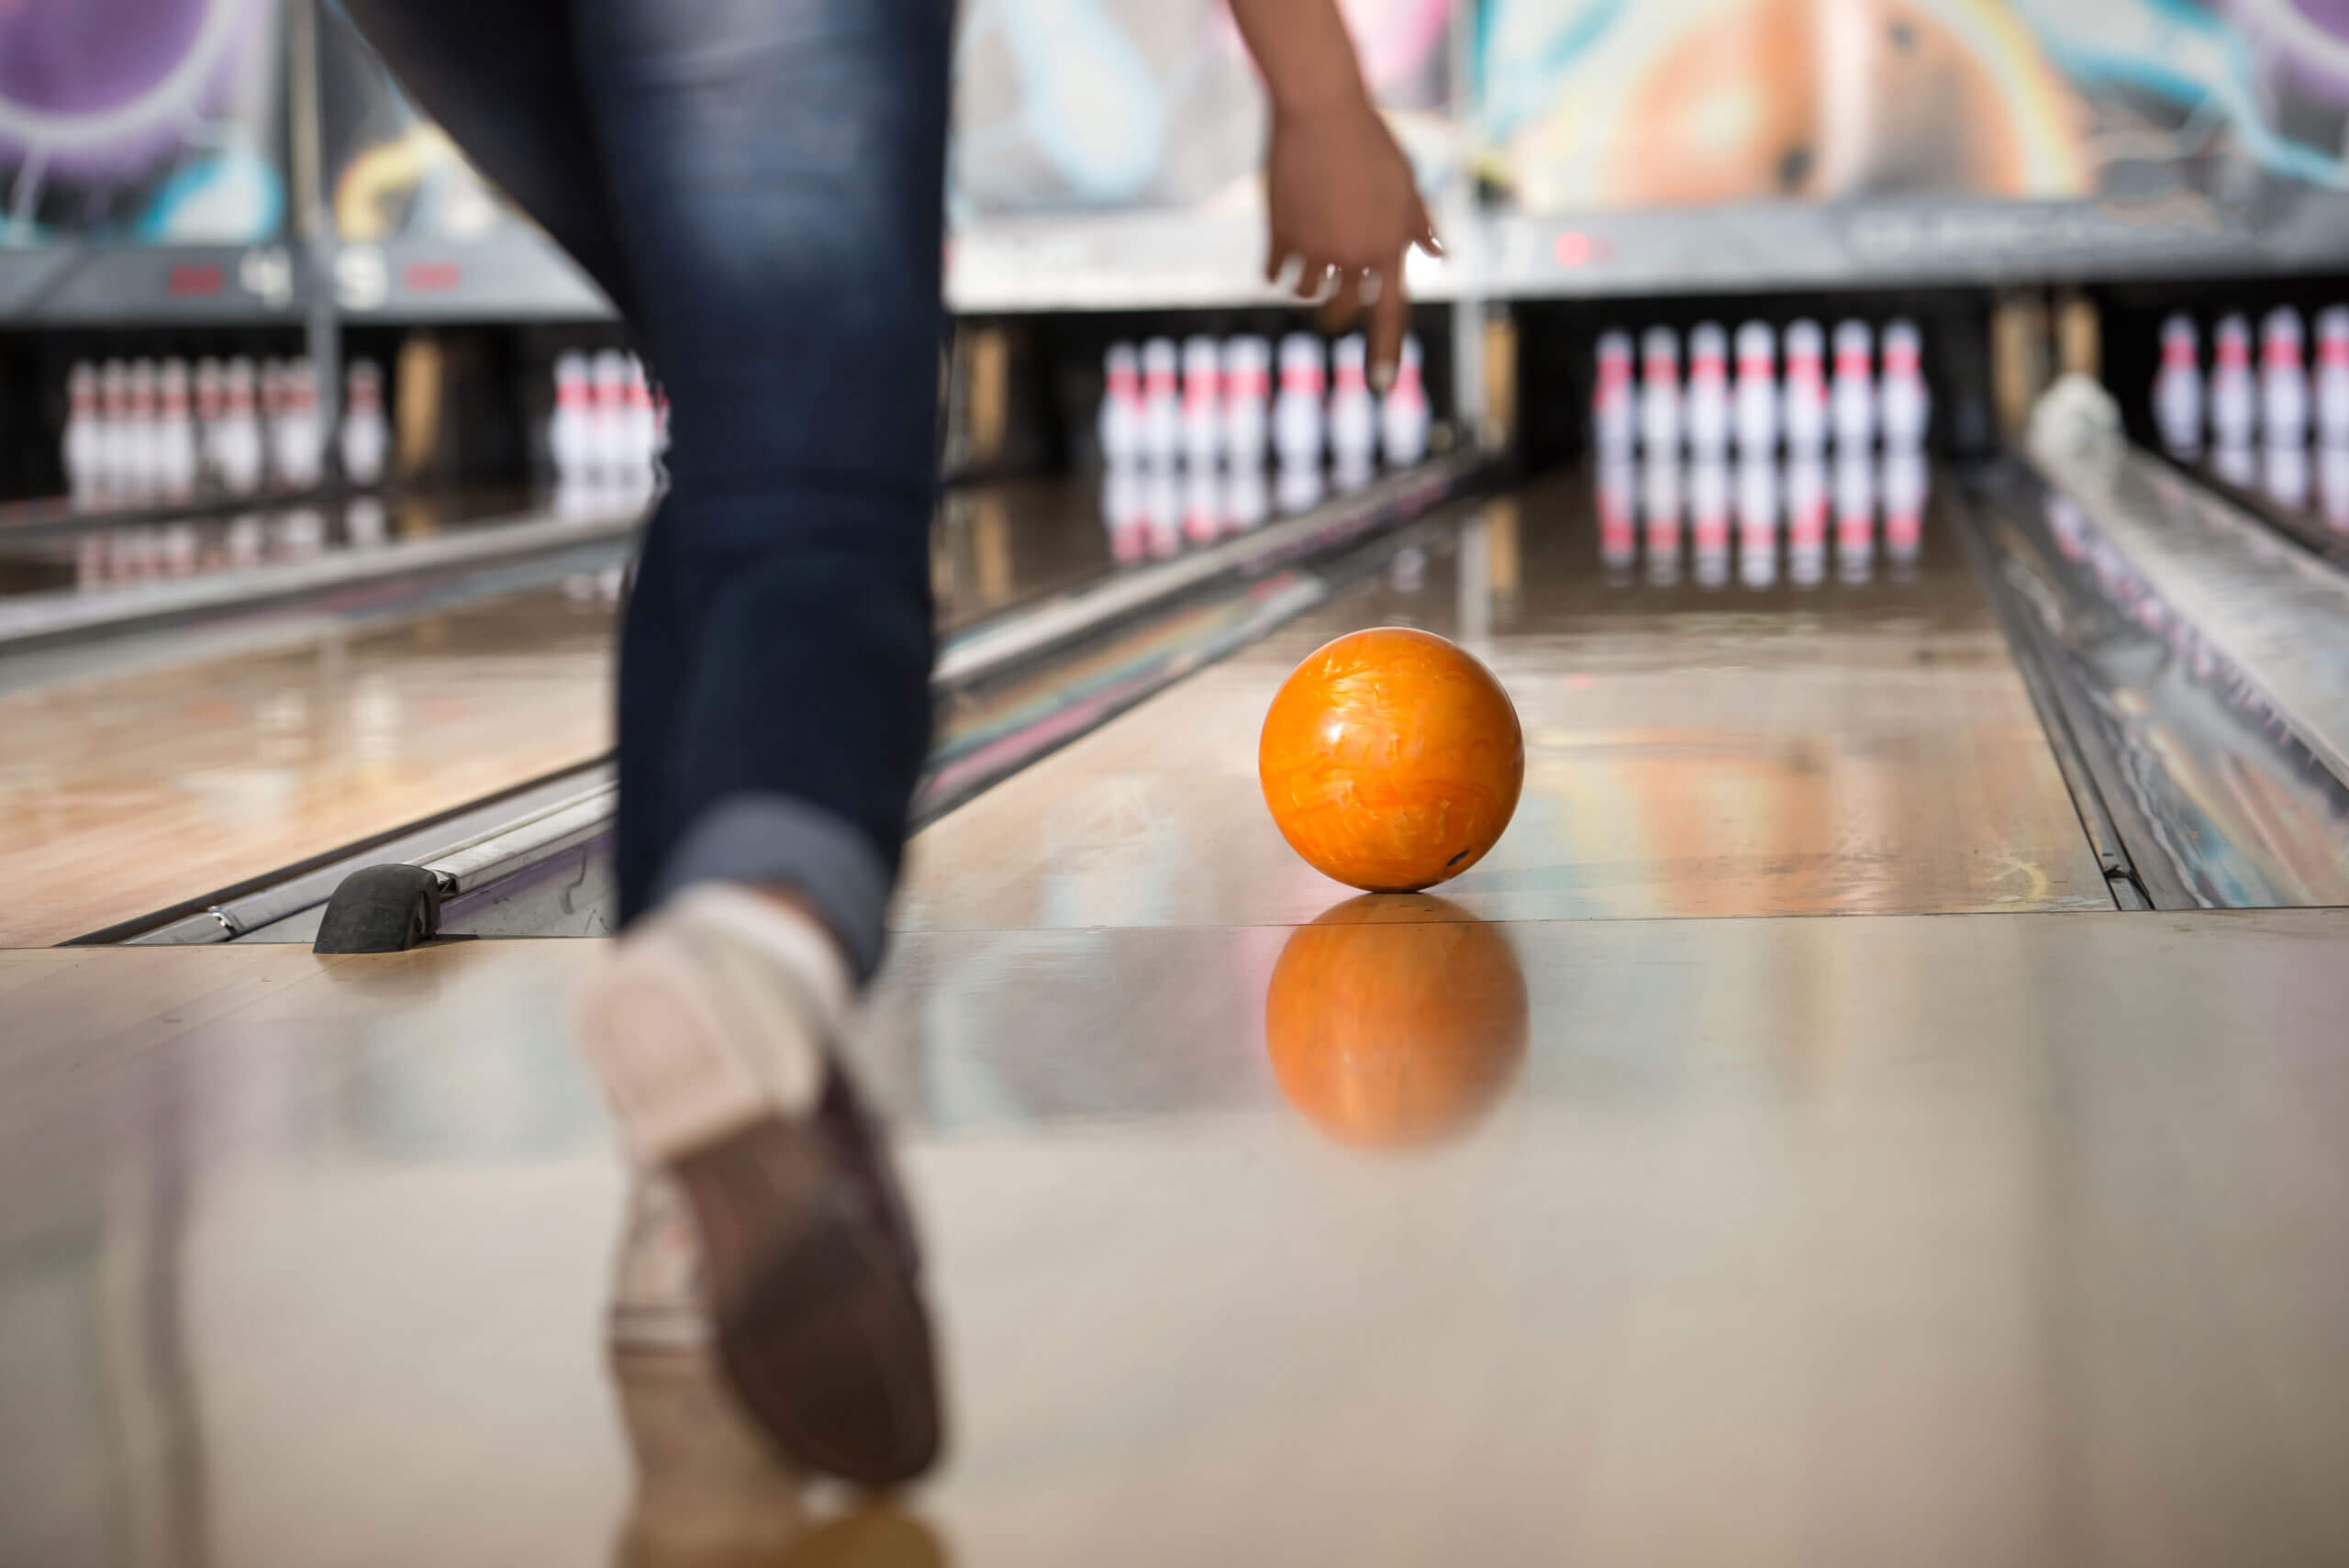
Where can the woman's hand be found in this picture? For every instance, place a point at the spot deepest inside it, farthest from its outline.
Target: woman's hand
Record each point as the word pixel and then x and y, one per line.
pixel 1341 199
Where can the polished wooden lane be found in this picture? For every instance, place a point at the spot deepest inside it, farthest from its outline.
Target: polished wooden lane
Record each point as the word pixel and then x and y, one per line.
pixel 1854 748
pixel 125 790
pixel 128 793
pixel 1967 1239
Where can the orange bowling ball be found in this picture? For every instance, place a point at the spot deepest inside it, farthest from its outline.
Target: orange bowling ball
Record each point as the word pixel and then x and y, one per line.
pixel 1391 760
pixel 1396 1022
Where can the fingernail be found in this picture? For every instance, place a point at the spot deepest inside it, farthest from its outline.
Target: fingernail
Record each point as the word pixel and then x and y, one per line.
pixel 1382 376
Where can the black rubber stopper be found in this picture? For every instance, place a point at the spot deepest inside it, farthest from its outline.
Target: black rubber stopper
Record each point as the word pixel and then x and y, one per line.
pixel 381 909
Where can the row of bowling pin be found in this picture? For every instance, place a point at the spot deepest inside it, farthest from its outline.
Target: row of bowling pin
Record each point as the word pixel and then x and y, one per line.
pixel 2232 402
pixel 1758 499
pixel 1212 402
pixel 1755 409
pixel 610 426
pixel 140 432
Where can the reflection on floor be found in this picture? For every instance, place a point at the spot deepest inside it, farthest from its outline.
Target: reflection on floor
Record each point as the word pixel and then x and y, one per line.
pixel 95 558
pixel 1780 511
pixel 1994 1238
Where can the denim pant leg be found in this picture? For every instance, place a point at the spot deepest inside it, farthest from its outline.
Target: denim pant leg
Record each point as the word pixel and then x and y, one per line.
pixel 777 168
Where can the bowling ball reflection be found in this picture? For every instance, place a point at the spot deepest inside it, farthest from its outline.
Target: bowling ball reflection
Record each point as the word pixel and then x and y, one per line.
pixel 1395 1020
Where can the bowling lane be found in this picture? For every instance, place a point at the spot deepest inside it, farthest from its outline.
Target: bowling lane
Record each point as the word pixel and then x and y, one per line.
pixel 143 771
pixel 1844 733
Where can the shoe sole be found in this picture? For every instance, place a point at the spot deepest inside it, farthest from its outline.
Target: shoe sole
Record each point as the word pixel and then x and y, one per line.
pixel 819 1323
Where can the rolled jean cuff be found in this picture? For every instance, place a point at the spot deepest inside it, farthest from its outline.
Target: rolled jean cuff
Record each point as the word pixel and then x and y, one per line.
pixel 773 839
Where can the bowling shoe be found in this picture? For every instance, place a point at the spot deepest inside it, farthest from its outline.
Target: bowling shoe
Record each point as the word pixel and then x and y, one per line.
pixel 714 1028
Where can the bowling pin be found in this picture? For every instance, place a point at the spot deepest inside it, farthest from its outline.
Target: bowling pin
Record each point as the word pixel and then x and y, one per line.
pixel 641 426
pixel 114 429
pixel 175 462
pixel 1614 421
pixel 1660 391
pixel 1353 420
pixel 2234 401
pixel 367 435
pixel 610 426
pixel 2234 463
pixel 1854 388
pixel 2333 377
pixel 300 441
pixel 1202 401
pixel 1162 403
pixel 571 435
pixel 1403 411
pixel 1247 402
pixel 144 452
pixel 1806 389
pixel 1119 422
pixel 84 434
pixel 1707 409
pixel 2283 379
pixel 1904 404
pixel 1297 411
pixel 238 449
pixel 1757 390
pixel 211 412
pixel 2177 388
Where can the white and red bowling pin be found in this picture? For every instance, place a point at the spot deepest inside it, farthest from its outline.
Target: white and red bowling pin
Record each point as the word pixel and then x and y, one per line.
pixel 1708 519
pixel 2234 410
pixel 1614 414
pixel 2283 379
pixel 1853 387
pixel 366 435
pixel 1757 521
pixel 1162 401
pixel 1247 402
pixel 1756 395
pixel 2333 377
pixel 1403 415
pixel 1805 408
pixel 1660 391
pixel 85 437
pixel 1202 402
pixel 1805 517
pixel 571 430
pixel 1904 404
pixel 2177 388
pixel 175 456
pixel 1296 408
pixel 1117 424
pixel 1353 417
pixel 238 449
pixel 1706 411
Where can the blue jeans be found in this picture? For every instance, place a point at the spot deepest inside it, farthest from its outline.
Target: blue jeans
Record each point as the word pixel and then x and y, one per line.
pixel 757 185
